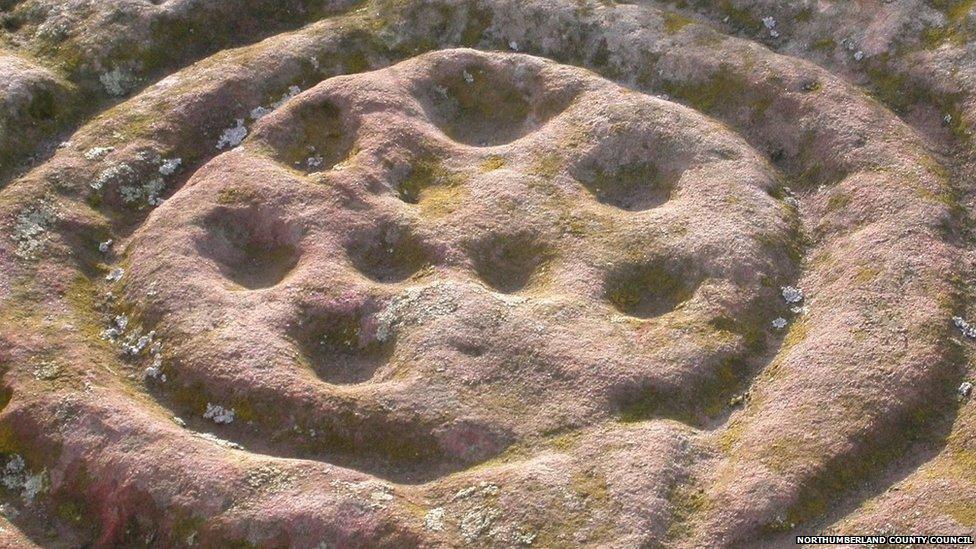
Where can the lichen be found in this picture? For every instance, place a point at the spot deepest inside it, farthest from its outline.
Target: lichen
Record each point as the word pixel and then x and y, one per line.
pixel 232 136
pixel 118 81
pixel 169 166
pixel 434 519
pixel 17 477
pixel 97 153
pixel 218 414
pixel 31 227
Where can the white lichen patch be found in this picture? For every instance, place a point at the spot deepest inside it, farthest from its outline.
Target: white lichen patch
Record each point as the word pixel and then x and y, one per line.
pixel 520 537
pixel 219 441
pixel 791 294
pixel 268 477
pixel 434 519
pixel 964 327
pixel 97 153
pixel 169 166
pixel 117 328
pixel 232 137
pixel 117 82
pixel 779 323
pixel 965 389
pixel 477 521
pixel 155 370
pixel 136 343
pixel 259 112
pixel 104 247
pixel 219 414
pixel 315 162
pixel 370 494
pixel 146 193
pixel 417 306
pixel 31 227
pixel 17 477
pixel 115 274
pixel 117 174
pixel 47 370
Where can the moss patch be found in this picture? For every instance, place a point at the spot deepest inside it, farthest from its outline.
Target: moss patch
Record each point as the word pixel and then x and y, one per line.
pixel 674 22
pixel 492 163
pixel 686 502
pixel 649 289
pixel 432 185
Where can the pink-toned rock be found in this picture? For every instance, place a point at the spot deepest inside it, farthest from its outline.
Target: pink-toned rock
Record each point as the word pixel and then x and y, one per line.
pixel 485 273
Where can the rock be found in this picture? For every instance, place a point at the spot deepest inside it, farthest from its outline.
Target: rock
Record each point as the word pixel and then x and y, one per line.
pixel 482 272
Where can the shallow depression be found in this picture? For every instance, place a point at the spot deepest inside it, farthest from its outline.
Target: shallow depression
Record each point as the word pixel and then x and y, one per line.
pixel 251 246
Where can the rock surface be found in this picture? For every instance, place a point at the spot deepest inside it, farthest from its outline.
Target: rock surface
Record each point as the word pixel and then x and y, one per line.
pixel 485 272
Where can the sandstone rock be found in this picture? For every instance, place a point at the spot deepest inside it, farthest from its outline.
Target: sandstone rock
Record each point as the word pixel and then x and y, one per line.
pixel 484 272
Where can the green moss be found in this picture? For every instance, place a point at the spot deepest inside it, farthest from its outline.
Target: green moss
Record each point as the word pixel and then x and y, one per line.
pixel 633 186
pixel 355 62
pixel 649 403
pixel 492 163
pixel 591 485
pixel 185 525
pixel 237 196
pixel 838 200
pixel 790 245
pixel 956 30
pixel 437 189
pixel 571 223
pixel 711 396
pixel 566 441
pixel 478 21
pixel 70 503
pixel 547 165
pixel 751 331
pixel 719 91
pixel 824 45
pixel 963 512
pixel 866 274
pixel 740 17
pixel 509 262
pixel 944 195
pixel 674 22
pixel 81 297
pixel 583 8
pixel 730 436
pixel 899 93
pixel 797 334
pixel 686 502
pixel 487 110
pixel 647 290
